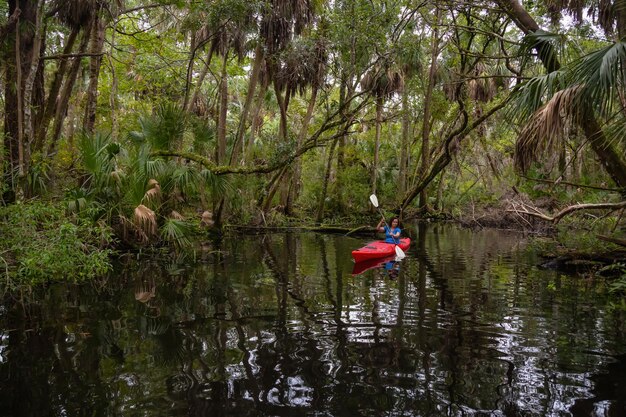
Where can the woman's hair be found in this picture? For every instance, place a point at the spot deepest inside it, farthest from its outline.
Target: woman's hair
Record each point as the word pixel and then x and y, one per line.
pixel 391 219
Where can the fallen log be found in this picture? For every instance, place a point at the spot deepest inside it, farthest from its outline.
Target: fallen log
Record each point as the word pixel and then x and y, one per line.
pixel 620 242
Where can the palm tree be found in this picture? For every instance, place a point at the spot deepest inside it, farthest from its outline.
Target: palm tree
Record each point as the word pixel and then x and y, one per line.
pixel 585 91
pixel 303 65
pixel 383 81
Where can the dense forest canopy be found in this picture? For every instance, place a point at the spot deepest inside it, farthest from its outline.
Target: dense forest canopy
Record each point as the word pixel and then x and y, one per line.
pixel 137 111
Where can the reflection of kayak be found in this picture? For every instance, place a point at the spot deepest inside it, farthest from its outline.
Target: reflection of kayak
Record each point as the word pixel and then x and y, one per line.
pixel 360 267
pixel 379 249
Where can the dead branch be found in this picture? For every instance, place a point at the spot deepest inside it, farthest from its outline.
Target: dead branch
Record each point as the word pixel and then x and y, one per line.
pixel 525 208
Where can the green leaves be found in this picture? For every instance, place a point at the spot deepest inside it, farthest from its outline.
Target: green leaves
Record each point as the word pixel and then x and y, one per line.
pixel 602 73
pixel 164 129
pixel 43 243
pixel 176 232
pixel 546 44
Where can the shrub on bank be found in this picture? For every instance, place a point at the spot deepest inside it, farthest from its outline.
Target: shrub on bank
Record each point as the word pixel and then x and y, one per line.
pixel 40 242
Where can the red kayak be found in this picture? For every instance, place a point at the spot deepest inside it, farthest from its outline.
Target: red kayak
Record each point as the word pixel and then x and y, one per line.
pixel 379 249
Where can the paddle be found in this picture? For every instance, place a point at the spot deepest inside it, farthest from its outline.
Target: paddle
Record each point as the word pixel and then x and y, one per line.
pixel 374 200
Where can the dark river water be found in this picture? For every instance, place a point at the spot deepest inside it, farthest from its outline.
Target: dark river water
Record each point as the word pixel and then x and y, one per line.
pixel 278 325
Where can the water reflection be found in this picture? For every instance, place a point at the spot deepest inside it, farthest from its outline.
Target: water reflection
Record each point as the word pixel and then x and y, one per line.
pixel 279 325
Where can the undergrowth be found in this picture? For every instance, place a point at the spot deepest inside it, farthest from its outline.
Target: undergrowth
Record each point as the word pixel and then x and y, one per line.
pixel 40 242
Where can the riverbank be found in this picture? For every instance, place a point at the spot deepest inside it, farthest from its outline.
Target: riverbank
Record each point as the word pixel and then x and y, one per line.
pixel 42 242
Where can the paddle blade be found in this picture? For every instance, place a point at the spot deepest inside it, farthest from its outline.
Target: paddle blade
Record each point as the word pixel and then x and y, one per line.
pixel 399 252
pixel 374 200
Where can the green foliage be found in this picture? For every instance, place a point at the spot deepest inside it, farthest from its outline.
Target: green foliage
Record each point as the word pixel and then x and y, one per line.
pixel 163 130
pixel 176 232
pixel 41 243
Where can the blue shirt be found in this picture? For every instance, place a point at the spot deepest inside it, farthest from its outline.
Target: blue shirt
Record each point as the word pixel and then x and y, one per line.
pixel 389 238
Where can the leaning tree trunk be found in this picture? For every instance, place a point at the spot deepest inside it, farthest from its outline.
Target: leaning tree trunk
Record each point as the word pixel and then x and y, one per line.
pixel 612 162
pixel 282 129
pixel 113 102
pixel 97 44
pixel 197 88
pixel 450 145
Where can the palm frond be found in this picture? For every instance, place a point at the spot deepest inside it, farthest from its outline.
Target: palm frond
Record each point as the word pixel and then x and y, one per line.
pixel 176 215
pixel 602 73
pixel 217 184
pixel 176 232
pixel 164 129
pixel 77 200
pixel 144 220
pixel 528 97
pixel 547 127
pixel 548 45
pixel 203 136
pixel 154 191
pixel 155 168
pixel 184 178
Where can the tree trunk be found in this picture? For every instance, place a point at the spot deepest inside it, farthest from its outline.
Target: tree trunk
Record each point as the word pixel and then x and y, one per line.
pixel 197 88
pixel 282 130
pixel 223 112
pixel 425 162
pixel 271 189
pixel 53 95
pixel 296 183
pixel 68 87
pixel 115 125
pixel 450 146
pixel 192 56
pixel 255 120
pixel 97 44
pixel 218 206
pixel 18 59
pixel 243 119
pixel 374 173
pixel 404 145
pixel 344 91
pixel 29 128
pixel 329 166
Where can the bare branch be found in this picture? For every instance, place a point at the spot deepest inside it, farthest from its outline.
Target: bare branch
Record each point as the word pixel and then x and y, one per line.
pixel 523 208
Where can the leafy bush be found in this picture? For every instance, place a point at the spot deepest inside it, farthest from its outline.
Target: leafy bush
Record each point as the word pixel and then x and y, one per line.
pixel 39 242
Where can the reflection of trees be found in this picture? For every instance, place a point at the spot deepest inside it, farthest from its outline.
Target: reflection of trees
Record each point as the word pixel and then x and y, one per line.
pixel 52 359
pixel 280 330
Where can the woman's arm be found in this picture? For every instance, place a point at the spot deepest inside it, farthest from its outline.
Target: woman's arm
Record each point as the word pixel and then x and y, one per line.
pixel 380 227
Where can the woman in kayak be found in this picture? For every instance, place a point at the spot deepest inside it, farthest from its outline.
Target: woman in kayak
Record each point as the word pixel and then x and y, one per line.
pixel 392 232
